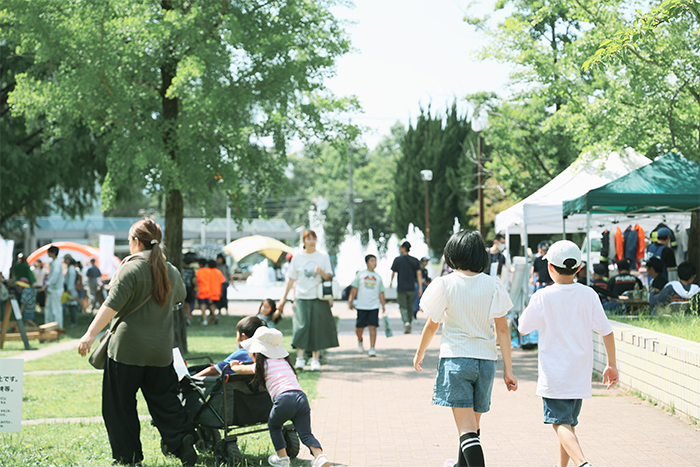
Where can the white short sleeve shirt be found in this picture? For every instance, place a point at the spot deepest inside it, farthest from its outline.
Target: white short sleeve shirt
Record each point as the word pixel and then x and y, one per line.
pixel 302 268
pixel 467 305
pixel 565 316
pixel 369 285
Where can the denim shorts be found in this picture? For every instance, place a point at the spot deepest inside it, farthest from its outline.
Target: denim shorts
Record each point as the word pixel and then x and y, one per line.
pixel 561 411
pixel 464 382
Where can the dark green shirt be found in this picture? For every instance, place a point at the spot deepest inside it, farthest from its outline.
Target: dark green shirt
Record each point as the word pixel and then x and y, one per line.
pixel 145 337
pixel 22 269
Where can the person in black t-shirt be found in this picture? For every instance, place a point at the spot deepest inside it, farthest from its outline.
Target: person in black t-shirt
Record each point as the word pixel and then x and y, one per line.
pixel 409 271
pixel 623 282
pixel 540 266
pixel 654 268
pixel 496 253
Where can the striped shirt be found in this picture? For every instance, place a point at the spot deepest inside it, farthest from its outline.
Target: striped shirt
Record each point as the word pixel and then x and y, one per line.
pixel 279 377
pixel 467 305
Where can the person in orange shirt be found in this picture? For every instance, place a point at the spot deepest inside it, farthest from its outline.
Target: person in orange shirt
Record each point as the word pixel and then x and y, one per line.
pixel 209 280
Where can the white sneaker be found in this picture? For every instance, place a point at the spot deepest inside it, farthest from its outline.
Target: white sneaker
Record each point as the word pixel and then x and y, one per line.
pixel 360 347
pixel 315 366
pixel 300 363
pixel 407 328
pixel 321 461
pixel 277 461
pixel 372 352
pixel 205 322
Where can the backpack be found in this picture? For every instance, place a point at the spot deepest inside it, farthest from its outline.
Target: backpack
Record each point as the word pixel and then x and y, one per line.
pixel 78 282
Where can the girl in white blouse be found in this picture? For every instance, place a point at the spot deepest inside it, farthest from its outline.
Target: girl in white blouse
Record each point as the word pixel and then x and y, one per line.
pixel 467 302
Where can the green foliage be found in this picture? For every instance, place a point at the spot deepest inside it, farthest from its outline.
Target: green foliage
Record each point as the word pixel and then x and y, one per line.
pixel 643 29
pixel 445 146
pixel 559 106
pixel 182 94
pixel 322 171
pixel 40 171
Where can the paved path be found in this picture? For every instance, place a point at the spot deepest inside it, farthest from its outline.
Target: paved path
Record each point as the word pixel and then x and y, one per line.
pixel 373 412
pixel 376 412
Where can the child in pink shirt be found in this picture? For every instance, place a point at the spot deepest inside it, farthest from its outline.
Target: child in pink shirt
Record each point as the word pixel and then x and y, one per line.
pixel 273 369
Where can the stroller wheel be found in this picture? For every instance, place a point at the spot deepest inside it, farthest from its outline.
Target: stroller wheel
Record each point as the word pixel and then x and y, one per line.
pixel 227 454
pixel 207 439
pixel 292 439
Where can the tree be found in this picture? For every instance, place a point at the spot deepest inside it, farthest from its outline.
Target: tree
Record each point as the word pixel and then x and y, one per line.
pixel 40 173
pixel 322 171
pixel 441 145
pixel 658 52
pixel 181 93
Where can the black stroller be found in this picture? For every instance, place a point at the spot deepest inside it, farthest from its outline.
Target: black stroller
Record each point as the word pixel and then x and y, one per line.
pixel 232 403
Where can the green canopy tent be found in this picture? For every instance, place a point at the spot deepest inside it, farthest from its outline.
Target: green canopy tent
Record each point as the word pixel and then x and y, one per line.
pixel 669 184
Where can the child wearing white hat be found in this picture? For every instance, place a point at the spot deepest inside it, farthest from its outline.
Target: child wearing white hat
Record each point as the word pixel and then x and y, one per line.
pixel 565 314
pixel 275 372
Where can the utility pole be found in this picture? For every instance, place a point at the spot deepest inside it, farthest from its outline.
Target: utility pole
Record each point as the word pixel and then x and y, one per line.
pixel 351 193
pixel 481 188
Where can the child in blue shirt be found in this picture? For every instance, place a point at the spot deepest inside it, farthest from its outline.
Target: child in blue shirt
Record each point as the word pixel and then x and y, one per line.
pixel 245 329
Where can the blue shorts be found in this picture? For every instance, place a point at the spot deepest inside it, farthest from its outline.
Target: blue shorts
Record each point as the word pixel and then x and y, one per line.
pixel 464 382
pixel 561 411
pixel 367 318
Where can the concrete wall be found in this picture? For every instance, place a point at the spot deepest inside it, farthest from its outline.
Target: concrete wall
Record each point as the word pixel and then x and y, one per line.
pixel 662 367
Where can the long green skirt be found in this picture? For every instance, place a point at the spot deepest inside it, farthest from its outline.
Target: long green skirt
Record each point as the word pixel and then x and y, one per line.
pixel 314 325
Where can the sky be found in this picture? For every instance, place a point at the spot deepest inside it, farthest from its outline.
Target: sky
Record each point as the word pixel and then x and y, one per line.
pixel 411 53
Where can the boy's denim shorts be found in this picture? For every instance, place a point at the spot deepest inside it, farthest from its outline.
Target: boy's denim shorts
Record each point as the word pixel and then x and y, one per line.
pixel 464 382
pixel 561 411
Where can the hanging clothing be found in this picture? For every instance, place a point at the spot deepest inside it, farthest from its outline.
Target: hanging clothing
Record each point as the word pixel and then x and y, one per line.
pixel 630 246
pixel 641 243
pixel 619 244
pixel 605 247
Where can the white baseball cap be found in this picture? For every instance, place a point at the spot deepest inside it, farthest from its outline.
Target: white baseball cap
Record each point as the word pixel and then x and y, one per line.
pixel 266 341
pixel 562 250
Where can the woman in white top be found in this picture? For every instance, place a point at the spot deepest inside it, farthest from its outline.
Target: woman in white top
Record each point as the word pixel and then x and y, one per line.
pixel 314 325
pixel 467 302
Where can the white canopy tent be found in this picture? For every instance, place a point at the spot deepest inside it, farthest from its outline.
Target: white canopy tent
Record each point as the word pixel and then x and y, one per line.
pixel 541 212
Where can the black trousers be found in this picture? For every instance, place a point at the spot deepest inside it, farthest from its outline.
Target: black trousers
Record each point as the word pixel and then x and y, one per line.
pixel 159 387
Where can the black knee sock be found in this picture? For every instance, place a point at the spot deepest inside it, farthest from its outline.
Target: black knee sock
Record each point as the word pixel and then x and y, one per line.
pixel 471 449
pixel 461 461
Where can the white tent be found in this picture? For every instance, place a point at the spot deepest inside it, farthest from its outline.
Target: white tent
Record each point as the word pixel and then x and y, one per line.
pixel 541 212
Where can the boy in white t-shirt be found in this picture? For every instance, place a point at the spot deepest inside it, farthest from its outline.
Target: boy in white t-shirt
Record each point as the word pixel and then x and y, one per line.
pixel 565 314
pixel 366 295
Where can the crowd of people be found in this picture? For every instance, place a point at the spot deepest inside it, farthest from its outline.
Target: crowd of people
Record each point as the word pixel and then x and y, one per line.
pixel 57 287
pixel 646 283
pixel 468 299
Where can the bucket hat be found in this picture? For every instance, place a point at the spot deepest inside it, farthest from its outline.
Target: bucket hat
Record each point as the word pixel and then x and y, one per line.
pixel 266 341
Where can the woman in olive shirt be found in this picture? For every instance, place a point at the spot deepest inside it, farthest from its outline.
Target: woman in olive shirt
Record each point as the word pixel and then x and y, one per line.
pixel 140 351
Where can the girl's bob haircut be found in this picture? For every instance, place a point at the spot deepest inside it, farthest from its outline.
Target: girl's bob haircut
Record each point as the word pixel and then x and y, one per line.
pixel 466 250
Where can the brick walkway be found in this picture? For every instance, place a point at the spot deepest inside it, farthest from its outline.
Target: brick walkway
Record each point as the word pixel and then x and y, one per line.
pixel 376 412
pixel 373 412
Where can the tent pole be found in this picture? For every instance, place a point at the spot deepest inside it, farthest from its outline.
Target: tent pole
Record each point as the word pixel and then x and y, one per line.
pixel 508 255
pixel 588 247
pixel 527 263
pixel 563 227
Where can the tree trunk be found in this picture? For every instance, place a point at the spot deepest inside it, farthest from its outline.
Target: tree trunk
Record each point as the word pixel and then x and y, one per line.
pixel 694 242
pixel 173 228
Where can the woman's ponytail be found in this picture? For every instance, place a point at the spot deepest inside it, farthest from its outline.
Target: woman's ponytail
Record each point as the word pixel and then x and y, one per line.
pixel 149 234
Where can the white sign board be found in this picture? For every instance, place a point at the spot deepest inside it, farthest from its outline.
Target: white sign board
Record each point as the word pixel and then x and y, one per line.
pixel 6 249
pixel 107 254
pixel 11 371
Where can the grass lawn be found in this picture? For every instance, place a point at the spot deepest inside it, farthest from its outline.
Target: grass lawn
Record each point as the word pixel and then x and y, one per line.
pixel 69 395
pixel 676 324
